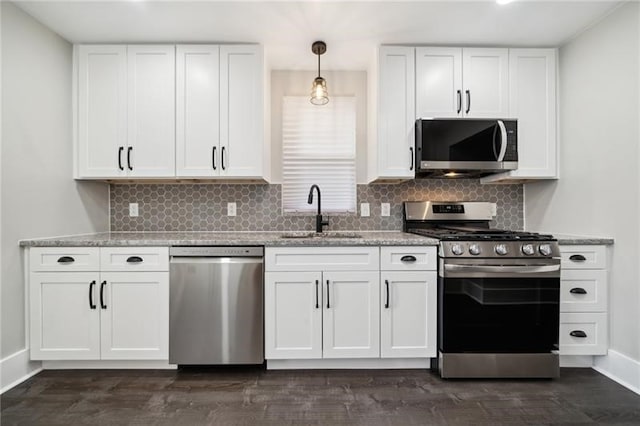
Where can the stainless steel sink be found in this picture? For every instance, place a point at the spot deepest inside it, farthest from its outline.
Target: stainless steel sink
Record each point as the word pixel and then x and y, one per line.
pixel 303 235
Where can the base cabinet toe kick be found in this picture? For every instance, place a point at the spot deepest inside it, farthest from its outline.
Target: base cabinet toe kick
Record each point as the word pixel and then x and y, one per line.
pixel 350 307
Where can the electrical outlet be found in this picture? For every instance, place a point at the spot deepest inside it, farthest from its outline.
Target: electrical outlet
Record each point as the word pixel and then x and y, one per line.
pixel 385 209
pixel 231 209
pixel 364 210
pixel 133 209
pixel 494 209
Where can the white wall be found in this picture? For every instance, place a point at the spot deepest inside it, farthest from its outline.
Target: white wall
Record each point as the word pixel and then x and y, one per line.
pixel 599 188
pixel 39 197
pixel 298 83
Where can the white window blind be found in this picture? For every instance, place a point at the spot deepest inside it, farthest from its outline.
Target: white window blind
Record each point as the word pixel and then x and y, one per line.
pixel 319 146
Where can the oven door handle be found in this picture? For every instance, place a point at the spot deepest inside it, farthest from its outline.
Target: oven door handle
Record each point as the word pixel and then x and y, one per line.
pixel 502 269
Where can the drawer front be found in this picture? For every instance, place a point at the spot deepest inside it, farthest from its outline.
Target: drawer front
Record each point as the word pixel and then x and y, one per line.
pixel 408 258
pixel 583 257
pixel 589 334
pixel 53 259
pixel 134 259
pixel 583 290
pixel 322 259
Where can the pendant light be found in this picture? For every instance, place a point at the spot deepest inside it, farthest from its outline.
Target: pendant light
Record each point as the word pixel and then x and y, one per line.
pixel 319 94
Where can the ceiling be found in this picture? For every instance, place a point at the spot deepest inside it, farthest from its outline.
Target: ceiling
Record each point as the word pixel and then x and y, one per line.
pixel 352 30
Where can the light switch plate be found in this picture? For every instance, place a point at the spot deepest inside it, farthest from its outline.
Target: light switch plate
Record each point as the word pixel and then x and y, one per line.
pixel 385 209
pixel 364 210
pixel 231 209
pixel 133 210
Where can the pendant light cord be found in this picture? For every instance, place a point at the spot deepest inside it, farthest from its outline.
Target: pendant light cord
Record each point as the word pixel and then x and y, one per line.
pixel 318 65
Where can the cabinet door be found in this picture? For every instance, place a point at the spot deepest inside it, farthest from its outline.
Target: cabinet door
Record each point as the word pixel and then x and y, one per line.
pixel 396 112
pixel 485 78
pixel 151 111
pixel 438 82
pixel 134 310
pixel 351 319
pixel 63 324
pixel 198 111
pixel 408 317
pixel 102 110
pixel 293 315
pixel 532 100
pixel 241 111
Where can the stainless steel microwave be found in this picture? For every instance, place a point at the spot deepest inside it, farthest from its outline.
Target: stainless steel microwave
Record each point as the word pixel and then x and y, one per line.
pixel 465 147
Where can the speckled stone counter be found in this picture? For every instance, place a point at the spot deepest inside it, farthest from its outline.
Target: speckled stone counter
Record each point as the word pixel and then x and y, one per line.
pixel 582 240
pixel 269 239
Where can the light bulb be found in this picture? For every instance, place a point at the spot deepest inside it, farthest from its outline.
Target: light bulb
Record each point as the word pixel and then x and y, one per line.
pixel 319 93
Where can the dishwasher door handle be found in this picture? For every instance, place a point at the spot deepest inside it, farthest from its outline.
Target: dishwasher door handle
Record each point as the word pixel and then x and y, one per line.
pixel 214 260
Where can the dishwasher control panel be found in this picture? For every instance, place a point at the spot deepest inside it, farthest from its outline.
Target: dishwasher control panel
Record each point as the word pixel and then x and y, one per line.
pixel 201 251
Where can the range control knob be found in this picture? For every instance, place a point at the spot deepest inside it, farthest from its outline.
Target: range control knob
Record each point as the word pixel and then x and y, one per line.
pixel 457 249
pixel 545 249
pixel 474 249
pixel 528 249
pixel 501 249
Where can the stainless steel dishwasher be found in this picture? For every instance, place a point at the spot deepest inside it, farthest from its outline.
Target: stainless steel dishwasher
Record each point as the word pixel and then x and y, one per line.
pixel 216 305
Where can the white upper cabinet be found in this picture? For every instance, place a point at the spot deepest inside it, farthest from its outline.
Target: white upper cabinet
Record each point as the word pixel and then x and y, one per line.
pixel 485 77
pixel 532 101
pixel 396 112
pixel 101 110
pixel 438 82
pixel 241 111
pixel 462 82
pixel 151 111
pixel 198 111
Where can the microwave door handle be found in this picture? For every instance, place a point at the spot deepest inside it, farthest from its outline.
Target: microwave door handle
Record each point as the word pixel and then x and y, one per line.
pixel 503 140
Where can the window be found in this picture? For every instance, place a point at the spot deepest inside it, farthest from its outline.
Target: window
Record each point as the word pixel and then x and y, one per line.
pixel 319 146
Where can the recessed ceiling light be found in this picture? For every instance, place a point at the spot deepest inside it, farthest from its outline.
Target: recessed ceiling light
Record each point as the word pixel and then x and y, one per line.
pixel 504 1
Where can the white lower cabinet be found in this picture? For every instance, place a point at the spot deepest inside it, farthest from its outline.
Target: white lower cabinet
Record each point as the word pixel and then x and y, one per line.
pixel 99 314
pixel 408 320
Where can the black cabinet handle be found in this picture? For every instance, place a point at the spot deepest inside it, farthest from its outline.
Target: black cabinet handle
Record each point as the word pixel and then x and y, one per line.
pixel 386 283
pixel 120 158
pixel 468 93
pixel 91 285
pixel 577 258
pixel 129 157
pixel 213 158
pixel 459 92
pixel 66 259
pixel 578 290
pixel 578 333
pixel 222 159
pixel 328 305
pixel 134 259
pixel 102 285
pixel 317 304
pixel 412 157
pixel 408 258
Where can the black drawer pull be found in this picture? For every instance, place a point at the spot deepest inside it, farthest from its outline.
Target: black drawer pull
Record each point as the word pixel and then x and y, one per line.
pixel 578 290
pixel 91 285
pixel 66 259
pixel 577 258
pixel 578 333
pixel 102 304
pixel 134 259
pixel 408 258
pixel 386 283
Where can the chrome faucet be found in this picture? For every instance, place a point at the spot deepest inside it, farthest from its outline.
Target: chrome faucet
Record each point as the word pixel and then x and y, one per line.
pixel 319 222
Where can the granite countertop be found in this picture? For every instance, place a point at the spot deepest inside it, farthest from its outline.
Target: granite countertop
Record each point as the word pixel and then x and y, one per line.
pixel 272 239
pixel 582 240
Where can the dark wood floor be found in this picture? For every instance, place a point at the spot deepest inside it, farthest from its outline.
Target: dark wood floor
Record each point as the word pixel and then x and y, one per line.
pixel 256 397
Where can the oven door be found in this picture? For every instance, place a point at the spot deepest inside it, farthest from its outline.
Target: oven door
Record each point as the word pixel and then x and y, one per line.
pixel 498 306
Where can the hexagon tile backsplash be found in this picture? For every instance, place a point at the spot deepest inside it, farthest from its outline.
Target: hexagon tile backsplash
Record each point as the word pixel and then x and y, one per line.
pixel 203 207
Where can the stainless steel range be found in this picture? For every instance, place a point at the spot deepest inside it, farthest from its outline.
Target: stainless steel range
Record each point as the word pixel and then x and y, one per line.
pixel 498 292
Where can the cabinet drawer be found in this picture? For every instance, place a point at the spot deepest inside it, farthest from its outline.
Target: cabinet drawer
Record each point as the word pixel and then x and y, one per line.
pixel 51 259
pixel 408 258
pixel 583 290
pixel 134 259
pixel 583 257
pixel 589 333
pixel 322 259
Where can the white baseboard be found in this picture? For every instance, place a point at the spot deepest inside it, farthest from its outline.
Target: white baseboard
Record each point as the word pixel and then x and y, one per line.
pixel 108 364
pixel 361 363
pixel 17 368
pixel 620 368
